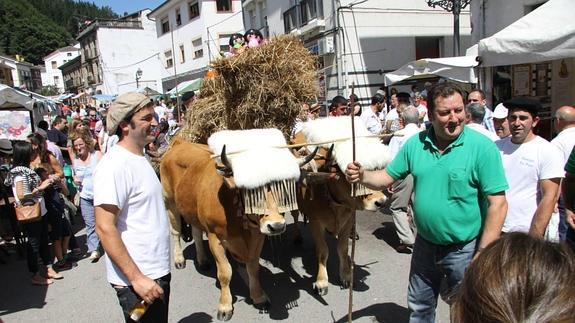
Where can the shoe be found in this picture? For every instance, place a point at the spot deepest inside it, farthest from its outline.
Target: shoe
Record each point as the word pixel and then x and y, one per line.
pixel 404 248
pixel 94 256
pixel 64 265
pixel 52 274
pixel 41 281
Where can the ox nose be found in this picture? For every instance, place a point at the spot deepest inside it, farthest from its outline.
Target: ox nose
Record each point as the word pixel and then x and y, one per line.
pixel 379 203
pixel 276 227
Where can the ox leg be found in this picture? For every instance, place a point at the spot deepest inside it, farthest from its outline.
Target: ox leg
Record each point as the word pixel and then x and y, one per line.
pixel 342 252
pixel 297 240
pixel 258 296
pixel 322 252
pixel 176 230
pixel 201 256
pixel 225 308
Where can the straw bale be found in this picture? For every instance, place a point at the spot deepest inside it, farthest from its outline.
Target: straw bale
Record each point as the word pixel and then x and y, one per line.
pixel 260 88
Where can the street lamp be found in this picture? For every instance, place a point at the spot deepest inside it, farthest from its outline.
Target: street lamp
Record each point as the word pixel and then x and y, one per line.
pixel 138 77
pixel 455 7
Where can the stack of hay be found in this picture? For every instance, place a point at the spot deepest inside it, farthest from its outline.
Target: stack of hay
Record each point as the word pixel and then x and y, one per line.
pixel 263 87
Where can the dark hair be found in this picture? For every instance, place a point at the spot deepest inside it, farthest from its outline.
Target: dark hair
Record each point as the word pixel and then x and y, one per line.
pixel 480 91
pixel 43 124
pixel 57 121
pixel 403 97
pixel 233 37
pixel 443 90
pixel 377 98
pixel 255 32
pixel 22 153
pixel 38 140
pixel 163 126
pixel 518 278
pixel 337 101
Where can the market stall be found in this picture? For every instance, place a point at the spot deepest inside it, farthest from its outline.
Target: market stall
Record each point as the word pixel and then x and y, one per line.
pixel 17 113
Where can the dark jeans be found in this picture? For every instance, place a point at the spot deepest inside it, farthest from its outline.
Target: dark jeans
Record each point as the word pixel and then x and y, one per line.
pixel 157 312
pixel 37 245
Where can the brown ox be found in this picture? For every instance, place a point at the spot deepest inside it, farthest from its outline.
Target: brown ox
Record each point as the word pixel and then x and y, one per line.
pixel 194 190
pixel 330 207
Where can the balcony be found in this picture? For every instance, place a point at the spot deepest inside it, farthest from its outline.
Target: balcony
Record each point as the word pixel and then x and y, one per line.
pixel 304 17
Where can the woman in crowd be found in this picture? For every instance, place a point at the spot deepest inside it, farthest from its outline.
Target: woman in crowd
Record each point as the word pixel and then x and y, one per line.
pixel 84 163
pixel 26 184
pixel 60 230
pixel 516 279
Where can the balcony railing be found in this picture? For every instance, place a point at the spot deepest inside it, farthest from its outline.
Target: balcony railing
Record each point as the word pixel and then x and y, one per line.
pixel 302 13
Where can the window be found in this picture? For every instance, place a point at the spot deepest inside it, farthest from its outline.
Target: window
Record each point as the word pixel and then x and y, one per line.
pixel 194 10
pixel 427 47
pixel 182 54
pixel 224 5
pixel 69 54
pixel 252 15
pixel 56 80
pixel 197 47
pixel 169 59
pixel 178 17
pixel 224 41
pixel 54 65
pixel 165 25
pixel 64 61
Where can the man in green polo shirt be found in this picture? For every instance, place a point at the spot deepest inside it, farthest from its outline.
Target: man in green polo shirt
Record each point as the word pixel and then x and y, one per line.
pixel 568 191
pixel 459 205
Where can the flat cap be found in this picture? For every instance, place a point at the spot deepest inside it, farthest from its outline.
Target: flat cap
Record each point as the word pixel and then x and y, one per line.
pixel 524 103
pixel 188 95
pixel 125 105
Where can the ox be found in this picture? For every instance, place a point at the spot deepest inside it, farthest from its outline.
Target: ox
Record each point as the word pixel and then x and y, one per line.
pixel 330 206
pixel 195 189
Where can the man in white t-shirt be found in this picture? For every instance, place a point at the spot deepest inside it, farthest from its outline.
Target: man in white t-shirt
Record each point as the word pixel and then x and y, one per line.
pixel 474 113
pixel 131 218
pixel 422 109
pixel 403 189
pixel 371 115
pixel 565 141
pixel 533 168
pixel 478 96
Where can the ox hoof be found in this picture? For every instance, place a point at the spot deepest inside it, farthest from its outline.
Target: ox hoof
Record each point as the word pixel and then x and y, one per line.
pixel 264 306
pixel 225 315
pixel 180 265
pixel 320 290
pixel 345 284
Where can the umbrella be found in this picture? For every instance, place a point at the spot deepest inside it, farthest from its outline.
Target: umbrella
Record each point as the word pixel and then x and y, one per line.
pixel 454 68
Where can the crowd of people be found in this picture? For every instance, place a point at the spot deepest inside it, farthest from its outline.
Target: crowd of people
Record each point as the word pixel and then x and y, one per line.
pixel 480 186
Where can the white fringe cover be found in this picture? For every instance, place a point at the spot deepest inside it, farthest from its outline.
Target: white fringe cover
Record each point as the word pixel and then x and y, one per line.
pixel 370 152
pixel 258 165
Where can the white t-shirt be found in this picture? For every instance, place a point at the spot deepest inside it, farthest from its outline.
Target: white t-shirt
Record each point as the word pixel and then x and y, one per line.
pixel 525 165
pixel 371 121
pixel 128 181
pixel 400 137
pixel 565 141
pixel 482 130
pixel 422 109
pixel 393 116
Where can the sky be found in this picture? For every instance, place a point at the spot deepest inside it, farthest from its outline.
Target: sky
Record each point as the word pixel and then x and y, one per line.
pixel 129 6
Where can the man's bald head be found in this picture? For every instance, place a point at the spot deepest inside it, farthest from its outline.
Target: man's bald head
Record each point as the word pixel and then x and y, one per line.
pixel 564 118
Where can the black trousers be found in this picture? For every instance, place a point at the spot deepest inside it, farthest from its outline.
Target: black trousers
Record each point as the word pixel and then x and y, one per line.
pixel 37 244
pixel 157 311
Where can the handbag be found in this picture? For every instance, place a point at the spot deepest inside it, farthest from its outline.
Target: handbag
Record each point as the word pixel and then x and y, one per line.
pixel 28 211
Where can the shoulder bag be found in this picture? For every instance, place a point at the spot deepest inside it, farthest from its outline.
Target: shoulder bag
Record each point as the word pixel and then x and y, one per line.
pixel 28 211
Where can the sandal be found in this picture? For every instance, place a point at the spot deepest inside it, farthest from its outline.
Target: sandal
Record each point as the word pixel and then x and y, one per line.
pixel 41 281
pixel 52 274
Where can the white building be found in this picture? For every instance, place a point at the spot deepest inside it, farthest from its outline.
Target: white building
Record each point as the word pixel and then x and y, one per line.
pixel 120 55
pixel 192 33
pixel 53 75
pixel 359 43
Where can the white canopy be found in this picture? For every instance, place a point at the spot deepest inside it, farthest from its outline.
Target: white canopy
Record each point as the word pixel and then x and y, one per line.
pixel 547 33
pixel 454 68
pixel 11 99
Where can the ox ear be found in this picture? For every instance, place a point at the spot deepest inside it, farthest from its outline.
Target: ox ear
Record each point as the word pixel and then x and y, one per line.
pixel 225 169
pixel 304 160
pixel 313 178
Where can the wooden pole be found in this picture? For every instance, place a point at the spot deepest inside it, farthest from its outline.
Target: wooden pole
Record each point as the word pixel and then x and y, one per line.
pixel 353 231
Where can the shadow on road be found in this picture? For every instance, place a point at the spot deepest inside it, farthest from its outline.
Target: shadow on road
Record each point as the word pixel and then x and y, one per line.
pixel 197 318
pixel 388 234
pixel 381 313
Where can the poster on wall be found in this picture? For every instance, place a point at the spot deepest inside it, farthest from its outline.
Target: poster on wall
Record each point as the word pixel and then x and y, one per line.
pixel 521 80
pixel 15 125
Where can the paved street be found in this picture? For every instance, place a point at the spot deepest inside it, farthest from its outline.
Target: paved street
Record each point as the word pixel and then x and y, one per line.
pixel 287 276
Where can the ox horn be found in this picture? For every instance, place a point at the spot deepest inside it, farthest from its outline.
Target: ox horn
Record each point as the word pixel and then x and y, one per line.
pixel 304 160
pixel 329 157
pixel 227 169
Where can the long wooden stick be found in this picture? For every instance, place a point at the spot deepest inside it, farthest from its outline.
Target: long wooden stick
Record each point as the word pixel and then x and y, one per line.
pixel 311 143
pixel 353 231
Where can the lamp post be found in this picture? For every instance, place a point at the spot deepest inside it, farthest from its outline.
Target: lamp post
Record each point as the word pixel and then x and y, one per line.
pixel 138 77
pixel 455 7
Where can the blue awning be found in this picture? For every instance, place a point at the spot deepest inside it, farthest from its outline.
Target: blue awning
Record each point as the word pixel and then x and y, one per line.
pixel 103 97
pixel 65 96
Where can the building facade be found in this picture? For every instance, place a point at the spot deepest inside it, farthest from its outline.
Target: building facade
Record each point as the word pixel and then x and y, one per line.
pixel 119 55
pixel 72 75
pixel 53 75
pixel 357 42
pixel 191 33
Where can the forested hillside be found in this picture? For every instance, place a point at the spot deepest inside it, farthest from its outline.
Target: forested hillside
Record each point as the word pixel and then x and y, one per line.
pixel 35 28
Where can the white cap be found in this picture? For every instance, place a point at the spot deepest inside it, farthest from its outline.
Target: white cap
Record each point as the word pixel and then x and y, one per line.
pixel 500 111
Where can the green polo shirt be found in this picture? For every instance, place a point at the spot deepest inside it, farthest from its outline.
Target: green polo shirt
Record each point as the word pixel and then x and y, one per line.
pixel 451 188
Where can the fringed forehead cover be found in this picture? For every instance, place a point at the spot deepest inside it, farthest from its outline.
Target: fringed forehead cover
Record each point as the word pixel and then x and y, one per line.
pixel 260 167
